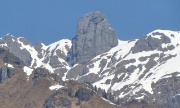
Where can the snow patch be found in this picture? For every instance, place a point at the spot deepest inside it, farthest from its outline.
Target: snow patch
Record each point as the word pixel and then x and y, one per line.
pixel 10 65
pixel 28 70
pixel 109 101
pixel 55 87
pixel 140 98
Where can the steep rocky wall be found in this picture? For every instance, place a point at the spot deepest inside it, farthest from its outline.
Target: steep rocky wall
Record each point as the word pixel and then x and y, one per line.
pixel 94 36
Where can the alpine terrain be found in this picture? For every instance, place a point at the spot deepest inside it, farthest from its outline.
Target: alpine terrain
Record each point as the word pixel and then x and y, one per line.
pixel 94 69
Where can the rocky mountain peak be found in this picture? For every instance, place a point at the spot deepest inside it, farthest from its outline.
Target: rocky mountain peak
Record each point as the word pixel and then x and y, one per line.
pixel 141 72
pixel 94 36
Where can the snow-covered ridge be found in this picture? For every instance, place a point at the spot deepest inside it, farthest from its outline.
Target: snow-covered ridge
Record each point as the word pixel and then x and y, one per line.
pixel 137 74
pixel 157 72
pixel 58 50
pixel 28 53
pixel 61 45
pixel 119 70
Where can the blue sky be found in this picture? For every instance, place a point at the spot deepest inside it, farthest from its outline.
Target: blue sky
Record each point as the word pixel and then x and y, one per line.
pixel 51 20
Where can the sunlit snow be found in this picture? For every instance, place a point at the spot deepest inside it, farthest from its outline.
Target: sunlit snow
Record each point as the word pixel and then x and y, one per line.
pixel 56 87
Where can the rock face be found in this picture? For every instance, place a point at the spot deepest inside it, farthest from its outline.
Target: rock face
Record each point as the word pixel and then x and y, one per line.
pixel 14 45
pixel 167 92
pixel 150 43
pixel 6 73
pixel 9 58
pixel 94 36
pixel 3 75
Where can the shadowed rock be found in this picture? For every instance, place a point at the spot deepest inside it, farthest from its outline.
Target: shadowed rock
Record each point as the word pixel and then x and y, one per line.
pixel 9 58
pixel 83 94
pixel 6 73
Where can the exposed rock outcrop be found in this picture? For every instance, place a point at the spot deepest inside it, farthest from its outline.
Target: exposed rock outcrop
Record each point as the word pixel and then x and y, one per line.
pixel 167 91
pixel 9 58
pixel 14 45
pixel 3 75
pixel 94 36
pixel 6 73
pixel 151 43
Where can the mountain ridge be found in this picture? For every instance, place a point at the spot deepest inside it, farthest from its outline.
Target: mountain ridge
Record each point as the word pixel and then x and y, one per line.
pixel 141 69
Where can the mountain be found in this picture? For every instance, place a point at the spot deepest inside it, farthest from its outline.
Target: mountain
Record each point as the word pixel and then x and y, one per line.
pixel 23 87
pixel 142 71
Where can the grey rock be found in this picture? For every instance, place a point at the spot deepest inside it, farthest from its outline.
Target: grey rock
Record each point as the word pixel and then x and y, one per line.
pixel 143 58
pixel 91 66
pixel 77 71
pixel 14 47
pixel 90 78
pixel 46 60
pixel 108 81
pixel 60 72
pixel 165 59
pixel 23 54
pixel 24 41
pixel 8 39
pixel 154 55
pixel 3 75
pixel 94 36
pixel 39 49
pixel 171 47
pixel 54 62
pixel 11 72
pixel 61 54
pixel 166 90
pixel 150 43
pixel 9 58
pixel 6 73
pixel 1 41
pixel 131 68
pixel 58 78
pixel 151 63
pixel 124 62
pixel 121 69
pixel 102 64
pixel 113 58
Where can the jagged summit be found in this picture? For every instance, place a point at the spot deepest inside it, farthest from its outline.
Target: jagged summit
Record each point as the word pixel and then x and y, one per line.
pixel 93 37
